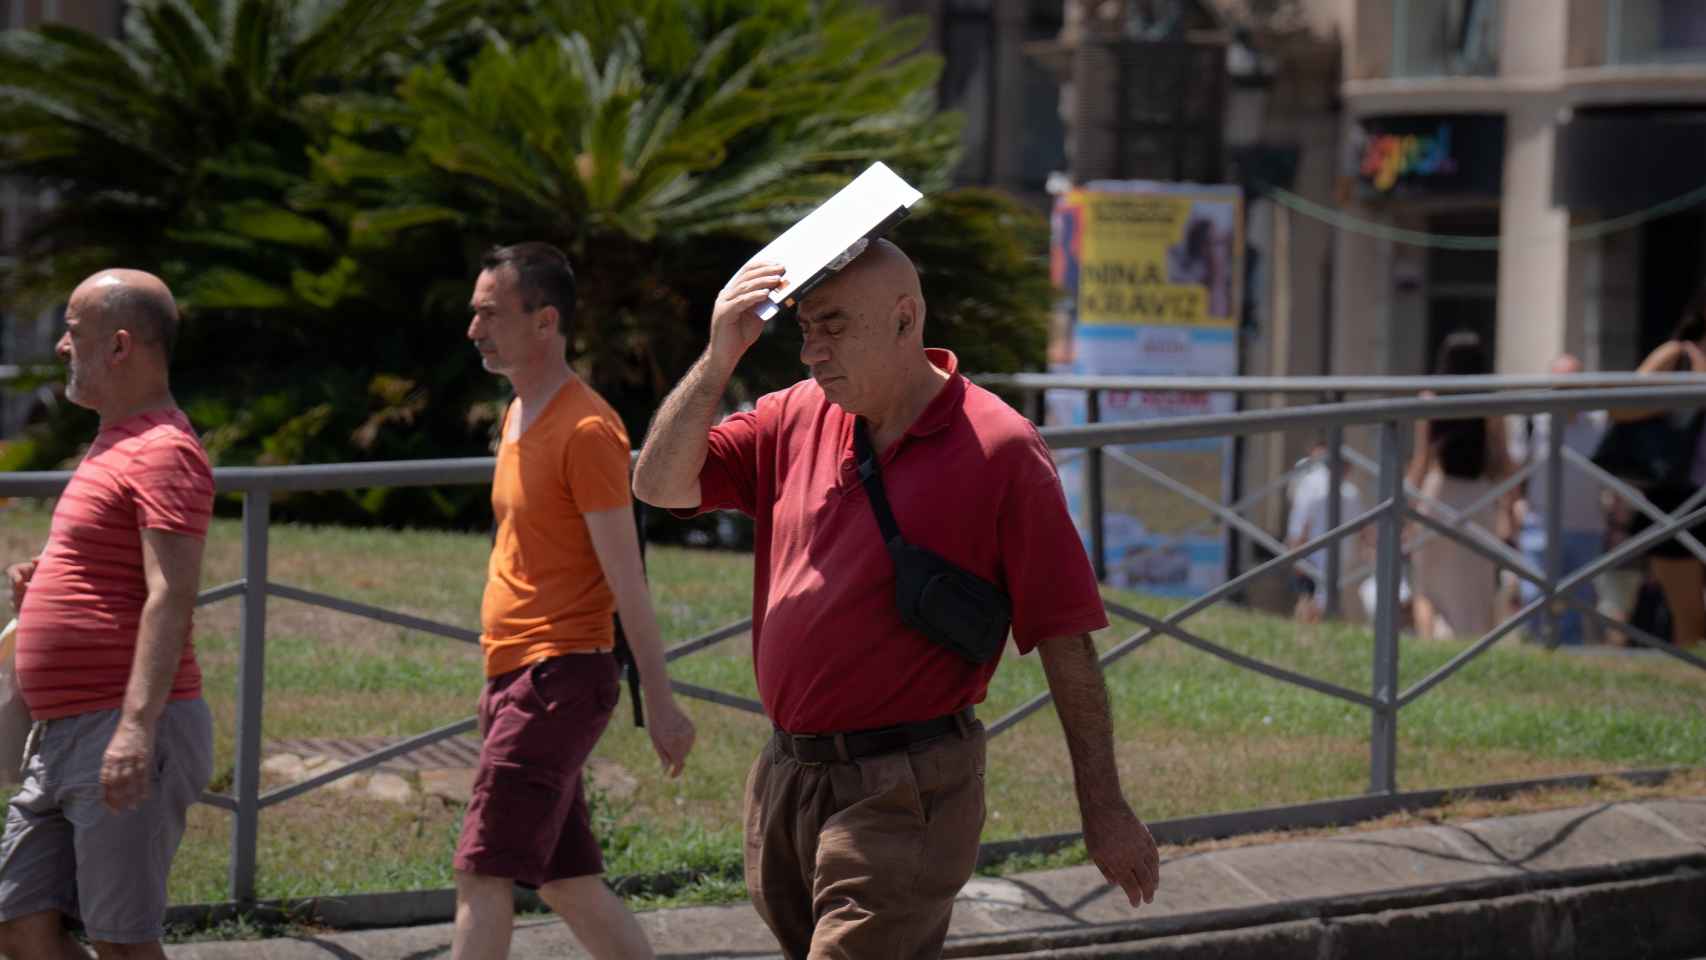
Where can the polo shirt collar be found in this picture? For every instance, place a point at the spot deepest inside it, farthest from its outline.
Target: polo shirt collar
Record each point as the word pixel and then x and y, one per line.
pixel 947 401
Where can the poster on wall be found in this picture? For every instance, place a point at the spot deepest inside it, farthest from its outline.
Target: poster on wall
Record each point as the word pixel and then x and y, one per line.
pixel 1150 276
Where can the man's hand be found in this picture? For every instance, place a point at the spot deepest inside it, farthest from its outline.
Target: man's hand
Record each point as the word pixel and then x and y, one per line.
pixel 734 325
pixel 1121 847
pixel 19 574
pixel 124 768
pixel 672 733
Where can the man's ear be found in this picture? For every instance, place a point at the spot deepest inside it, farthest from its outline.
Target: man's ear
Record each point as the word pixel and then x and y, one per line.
pixel 546 319
pixel 906 315
pixel 123 344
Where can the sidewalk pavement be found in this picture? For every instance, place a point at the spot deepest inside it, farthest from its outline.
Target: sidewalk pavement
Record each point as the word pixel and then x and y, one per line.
pixel 1416 880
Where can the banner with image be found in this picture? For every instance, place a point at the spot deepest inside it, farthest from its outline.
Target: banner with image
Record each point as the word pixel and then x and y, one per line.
pixel 1149 275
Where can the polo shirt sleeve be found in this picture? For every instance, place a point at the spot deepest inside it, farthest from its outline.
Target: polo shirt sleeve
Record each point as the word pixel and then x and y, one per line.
pixel 596 465
pixel 1047 572
pixel 729 479
pixel 172 486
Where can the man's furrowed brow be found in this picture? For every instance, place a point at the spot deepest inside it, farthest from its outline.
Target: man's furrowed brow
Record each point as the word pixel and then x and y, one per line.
pixel 827 316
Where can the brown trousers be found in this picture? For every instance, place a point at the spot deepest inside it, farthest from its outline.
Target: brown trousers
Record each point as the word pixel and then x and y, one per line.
pixel 863 860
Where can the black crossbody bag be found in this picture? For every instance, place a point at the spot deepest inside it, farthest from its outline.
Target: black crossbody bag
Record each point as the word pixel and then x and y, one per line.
pixel 952 606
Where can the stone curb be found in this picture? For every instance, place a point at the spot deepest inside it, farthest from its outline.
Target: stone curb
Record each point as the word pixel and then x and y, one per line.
pixel 1660 916
pixel 1326 913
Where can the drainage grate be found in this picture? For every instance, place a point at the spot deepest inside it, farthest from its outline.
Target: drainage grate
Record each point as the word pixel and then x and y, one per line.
pixel 456 753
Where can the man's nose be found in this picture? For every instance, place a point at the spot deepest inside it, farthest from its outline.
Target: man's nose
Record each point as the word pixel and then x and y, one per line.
pixel 474 330
pixel 62 349
pixel 813 350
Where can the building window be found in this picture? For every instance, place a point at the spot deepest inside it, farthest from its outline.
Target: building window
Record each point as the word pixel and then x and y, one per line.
pixel 1655 31
pixel 1435 38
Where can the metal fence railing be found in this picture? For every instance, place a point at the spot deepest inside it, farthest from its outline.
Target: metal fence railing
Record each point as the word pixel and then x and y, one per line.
pixel 1393 510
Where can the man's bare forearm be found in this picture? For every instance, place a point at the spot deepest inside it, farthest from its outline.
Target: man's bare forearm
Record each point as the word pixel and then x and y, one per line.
pixel 1081 700
pixel 160 639
pixel 667 474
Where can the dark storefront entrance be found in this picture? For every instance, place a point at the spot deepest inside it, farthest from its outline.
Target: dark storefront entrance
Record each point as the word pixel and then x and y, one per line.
pixel 1616 161
pixel 1463 285
pixel 1672 250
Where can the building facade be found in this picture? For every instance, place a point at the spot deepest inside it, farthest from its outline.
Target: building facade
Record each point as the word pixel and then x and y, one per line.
pixel 1570 130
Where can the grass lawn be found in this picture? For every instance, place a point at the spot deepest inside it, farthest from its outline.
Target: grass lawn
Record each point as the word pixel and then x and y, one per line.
pixel 1195 735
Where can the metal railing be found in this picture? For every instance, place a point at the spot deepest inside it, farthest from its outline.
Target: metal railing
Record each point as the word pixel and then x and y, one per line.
pixel 1393 510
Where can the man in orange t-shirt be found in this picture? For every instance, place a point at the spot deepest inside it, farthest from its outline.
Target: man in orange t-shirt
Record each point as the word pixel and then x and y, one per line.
pixel 565 559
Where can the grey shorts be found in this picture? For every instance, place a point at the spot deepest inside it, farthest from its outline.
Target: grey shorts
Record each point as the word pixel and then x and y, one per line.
pixel 65 850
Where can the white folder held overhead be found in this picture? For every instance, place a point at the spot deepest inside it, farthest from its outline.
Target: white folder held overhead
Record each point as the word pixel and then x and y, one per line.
pixel 826 239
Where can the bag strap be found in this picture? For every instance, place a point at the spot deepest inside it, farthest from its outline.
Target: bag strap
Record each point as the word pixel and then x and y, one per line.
pixel 871 474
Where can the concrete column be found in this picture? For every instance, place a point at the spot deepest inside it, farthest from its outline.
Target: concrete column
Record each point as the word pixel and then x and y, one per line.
pixel 1534 256
pixel 1362 301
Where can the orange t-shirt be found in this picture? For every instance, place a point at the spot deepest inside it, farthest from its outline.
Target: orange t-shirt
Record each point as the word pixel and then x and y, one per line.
pixel 545 591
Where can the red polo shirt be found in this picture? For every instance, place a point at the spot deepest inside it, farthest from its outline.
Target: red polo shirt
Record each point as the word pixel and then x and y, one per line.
pixel 971 480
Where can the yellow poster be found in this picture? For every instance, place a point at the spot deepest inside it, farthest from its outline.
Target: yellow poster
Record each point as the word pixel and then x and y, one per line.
pixel 1157 259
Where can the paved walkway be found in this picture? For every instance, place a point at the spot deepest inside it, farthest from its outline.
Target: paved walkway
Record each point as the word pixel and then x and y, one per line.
pixel 1224 890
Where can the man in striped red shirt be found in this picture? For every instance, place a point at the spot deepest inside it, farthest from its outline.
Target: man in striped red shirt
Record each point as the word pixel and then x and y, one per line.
pixel 123 742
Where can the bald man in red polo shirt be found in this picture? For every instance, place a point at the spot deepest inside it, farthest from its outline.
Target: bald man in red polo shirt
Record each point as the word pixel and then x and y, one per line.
pixel 863 813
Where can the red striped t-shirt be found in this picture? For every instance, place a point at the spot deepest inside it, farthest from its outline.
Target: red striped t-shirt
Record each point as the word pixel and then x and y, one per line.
pixel 77 629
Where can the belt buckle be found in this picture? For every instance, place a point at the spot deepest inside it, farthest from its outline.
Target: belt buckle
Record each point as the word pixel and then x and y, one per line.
pixel 794 742
pixel 839 740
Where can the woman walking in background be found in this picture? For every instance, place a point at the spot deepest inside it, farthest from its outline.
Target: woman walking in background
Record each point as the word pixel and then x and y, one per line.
pixel 1455 463
pixel 1679 573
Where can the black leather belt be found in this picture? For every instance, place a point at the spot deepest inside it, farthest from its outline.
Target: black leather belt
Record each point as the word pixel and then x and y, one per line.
pixel 844 747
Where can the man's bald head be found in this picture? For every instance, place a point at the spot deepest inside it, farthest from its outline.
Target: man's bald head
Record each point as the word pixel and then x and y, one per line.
pixel 875 283
pixel 884 266
pixel 1566 364
pixel 130 300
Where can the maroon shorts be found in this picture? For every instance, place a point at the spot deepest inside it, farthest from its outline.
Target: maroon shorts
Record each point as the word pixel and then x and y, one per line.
pixel 527 820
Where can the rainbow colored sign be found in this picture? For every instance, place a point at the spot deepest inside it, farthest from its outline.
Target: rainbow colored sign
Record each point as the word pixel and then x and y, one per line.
pixel 1387 157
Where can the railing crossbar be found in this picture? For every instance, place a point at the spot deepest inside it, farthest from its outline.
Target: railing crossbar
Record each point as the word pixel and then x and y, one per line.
pixel 1225 513
pixel 707 640
pixel 1045 698
pixel 221 592
pixel 1463 518
pixel 1252 664
pixel 1289 556
pixel 1638 635
pixel 1465 657
pixel 716 696
pixel 1488 547
pixel 369 612
pixel 1630 547
pixel 1634 497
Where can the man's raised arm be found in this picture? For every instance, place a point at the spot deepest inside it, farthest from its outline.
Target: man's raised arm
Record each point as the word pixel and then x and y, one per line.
pixel 667 474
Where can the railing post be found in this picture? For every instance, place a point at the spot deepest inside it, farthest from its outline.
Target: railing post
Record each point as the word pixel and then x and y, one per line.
pixel 1335 514
pixel 246 784
pixel 1093 490
pixel 1383 734
pixel 1554 524
pixel 1039 406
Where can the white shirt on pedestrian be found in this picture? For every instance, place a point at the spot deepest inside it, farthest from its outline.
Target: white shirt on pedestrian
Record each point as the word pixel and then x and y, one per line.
pixel 1308 518
pixel 1528 436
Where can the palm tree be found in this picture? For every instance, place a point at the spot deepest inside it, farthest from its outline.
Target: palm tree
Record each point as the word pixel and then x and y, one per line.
pixel 190 135
pixel 659 143
pixel 317 178
pixel 183 148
